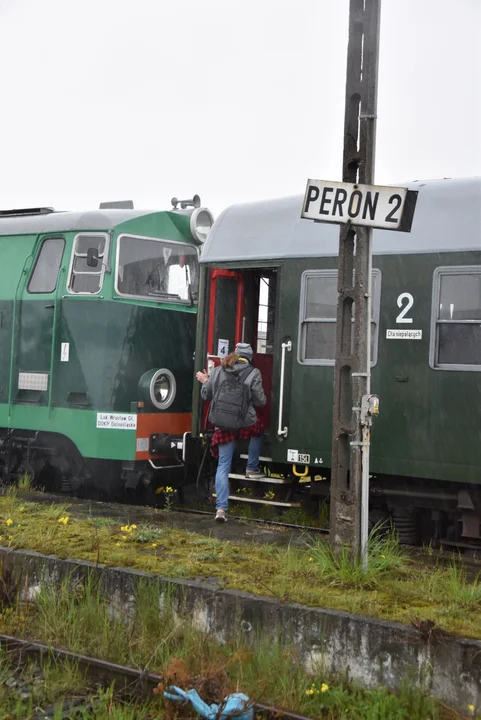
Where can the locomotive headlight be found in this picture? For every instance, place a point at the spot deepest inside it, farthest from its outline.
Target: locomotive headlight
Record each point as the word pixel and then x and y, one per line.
pixel 162 389
pixel 201 222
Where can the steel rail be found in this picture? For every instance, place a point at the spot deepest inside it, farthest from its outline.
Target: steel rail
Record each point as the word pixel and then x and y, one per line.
pixel 277 523
pixel 134 682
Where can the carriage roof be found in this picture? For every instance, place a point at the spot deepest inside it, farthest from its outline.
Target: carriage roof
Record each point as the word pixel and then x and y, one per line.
pixel 447 218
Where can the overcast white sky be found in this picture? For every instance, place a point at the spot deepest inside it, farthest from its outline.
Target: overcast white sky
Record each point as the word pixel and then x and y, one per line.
pixel 233 99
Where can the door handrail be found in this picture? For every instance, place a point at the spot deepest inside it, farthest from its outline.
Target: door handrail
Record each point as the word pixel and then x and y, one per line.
pixel 285 346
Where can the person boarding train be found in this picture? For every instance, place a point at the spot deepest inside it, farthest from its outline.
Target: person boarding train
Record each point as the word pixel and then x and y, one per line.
pixel 235 390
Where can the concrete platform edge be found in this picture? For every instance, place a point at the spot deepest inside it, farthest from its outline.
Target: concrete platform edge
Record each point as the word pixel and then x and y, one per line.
pixel 368 650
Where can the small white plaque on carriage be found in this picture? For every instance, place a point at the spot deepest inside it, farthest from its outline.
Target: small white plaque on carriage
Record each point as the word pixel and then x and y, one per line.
pixel 223 348
pixel 402 334
pixel 65 352
pixel 116 421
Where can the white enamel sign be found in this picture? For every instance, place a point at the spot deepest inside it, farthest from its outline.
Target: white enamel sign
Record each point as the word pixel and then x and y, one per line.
pixel 116 421
pixel 371 205
pixel 223 348
pixel 404 334
pixel 65 352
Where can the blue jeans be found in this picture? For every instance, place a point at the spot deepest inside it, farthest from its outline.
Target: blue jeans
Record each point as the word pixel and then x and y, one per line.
pixel 226 453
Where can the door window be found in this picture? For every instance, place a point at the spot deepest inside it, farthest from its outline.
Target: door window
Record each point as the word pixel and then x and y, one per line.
pixel 84 279
pixel 317 321
pixel 266 314
pixel 45 272
pixel 456 327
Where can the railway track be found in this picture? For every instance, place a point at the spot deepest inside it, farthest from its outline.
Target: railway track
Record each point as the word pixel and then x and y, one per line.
pixel 129 682
pixel 275 523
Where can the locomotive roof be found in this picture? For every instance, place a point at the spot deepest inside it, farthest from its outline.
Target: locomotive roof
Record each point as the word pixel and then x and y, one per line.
pixel 447 217
pixel 104 219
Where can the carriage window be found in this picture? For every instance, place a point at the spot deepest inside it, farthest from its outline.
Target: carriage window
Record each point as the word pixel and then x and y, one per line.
pixel 45 273
pixel 317 331
pixel 156 269
pixel 456 336
pixel 86 280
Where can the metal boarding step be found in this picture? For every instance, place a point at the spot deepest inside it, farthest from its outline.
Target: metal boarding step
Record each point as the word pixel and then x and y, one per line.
pixel 262 458
pixel 260 501
pixel 270 480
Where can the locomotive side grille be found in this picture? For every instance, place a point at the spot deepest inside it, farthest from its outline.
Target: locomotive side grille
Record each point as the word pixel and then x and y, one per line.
pixel 32 381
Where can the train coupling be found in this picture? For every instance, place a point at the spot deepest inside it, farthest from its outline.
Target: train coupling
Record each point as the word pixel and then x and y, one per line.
pixel 166 445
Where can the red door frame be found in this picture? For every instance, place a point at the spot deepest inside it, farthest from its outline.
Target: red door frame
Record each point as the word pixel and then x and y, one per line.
pixel 216 273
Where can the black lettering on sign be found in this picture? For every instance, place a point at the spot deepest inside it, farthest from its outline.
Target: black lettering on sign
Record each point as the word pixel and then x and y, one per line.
pixel 370 204
pixel 356 195
pixel 339 200
pixel 397 199
pixel 312 195
pixel 325 200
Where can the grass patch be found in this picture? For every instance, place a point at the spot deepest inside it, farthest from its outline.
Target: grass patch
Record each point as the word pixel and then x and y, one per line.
pixel 86 622
pixel 342 568
pixel 395 588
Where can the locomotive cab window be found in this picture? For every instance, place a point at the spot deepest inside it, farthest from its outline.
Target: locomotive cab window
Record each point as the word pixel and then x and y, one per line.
pixel 456 326
pixel 85 279
pixel 317 321
pixel 45 273
pixel 156 269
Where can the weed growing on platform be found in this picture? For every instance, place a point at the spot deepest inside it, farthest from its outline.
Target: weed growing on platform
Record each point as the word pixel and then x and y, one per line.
pixel 343 568
pixel 25 482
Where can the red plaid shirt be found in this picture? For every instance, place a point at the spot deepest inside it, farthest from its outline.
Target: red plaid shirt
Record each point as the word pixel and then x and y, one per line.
pixel 220 437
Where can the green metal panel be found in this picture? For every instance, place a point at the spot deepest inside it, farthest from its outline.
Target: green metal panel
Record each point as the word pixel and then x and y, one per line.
pixel 78 425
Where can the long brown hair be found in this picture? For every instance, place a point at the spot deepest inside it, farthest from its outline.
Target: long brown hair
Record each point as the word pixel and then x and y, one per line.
pixel 230 360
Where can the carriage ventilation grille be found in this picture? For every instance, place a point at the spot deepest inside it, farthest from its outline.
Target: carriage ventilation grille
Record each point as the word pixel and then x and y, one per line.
pixel 32 381
pixel 27 211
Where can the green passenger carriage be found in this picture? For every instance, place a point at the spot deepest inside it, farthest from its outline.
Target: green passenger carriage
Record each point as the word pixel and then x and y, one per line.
pixel 270 278
pixel 97 332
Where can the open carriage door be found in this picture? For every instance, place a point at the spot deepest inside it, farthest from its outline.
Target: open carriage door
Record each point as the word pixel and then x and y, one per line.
pixel 241 309
pixel 303 379
pixel 225 313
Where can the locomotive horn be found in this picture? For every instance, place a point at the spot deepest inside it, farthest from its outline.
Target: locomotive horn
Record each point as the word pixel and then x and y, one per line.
pixel 195 202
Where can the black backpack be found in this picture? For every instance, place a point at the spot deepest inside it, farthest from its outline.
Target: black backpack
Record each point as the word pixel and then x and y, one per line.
pixel 231 400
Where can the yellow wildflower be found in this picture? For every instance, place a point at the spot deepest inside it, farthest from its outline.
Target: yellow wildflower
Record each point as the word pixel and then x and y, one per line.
pixel 310 691
pixel 133 527
pixel 324 687
pixel 63 520
pixel 22 509
pixel 154 545
pixel 471 708
pixel 9 522
pixel 124 537
pixel 117 544
pixel 159 490
pixel 310 559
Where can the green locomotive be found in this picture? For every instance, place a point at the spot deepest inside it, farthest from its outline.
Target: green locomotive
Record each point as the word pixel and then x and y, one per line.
pixel 97 332
pixel 270 278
